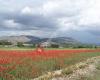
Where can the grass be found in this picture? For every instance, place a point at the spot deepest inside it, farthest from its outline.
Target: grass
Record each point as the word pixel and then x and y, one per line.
pixel 29 48
pixel 45 66
pixel 15 48
pixel 67 71
pixel 31 69
pixel 96 74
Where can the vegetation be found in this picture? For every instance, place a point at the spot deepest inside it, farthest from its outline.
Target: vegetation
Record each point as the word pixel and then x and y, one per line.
pixel 20 44
pixel 54 46
pixel 85 46
pixel 4 42
pixel 24 65
pixel 67 71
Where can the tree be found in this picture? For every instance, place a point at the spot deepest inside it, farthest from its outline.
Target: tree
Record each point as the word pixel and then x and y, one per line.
pixel 4 42
pixel 20 44
pixel 54 45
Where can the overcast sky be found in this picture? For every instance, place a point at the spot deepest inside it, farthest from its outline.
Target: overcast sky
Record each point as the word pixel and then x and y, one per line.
pixel 79 19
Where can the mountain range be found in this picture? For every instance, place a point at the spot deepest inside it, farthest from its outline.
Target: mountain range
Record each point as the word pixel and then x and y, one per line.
pixel 35 40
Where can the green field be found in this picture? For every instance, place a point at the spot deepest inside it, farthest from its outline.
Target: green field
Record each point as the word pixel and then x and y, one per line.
pixel 29 48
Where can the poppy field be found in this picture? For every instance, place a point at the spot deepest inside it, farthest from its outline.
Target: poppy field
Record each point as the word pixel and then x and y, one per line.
pixel 29 64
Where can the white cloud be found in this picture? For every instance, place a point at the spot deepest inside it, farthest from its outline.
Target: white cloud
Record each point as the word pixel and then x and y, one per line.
pixel 11 24
pixel 74 14
pixel 65 24
pixel 64 7
pixel 91 15
pixel 26 10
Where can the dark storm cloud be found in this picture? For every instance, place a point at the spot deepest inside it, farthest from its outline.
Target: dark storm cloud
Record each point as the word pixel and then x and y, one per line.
pixel 27 22
pixel 37 21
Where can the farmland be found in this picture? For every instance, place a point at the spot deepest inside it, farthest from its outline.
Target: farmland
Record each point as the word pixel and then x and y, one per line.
pixel 29 64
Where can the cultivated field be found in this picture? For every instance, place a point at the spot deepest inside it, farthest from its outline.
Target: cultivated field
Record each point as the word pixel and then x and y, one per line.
pixel 30 64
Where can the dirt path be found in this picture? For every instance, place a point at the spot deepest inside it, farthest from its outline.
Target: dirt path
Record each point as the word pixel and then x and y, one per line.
pixel 87 70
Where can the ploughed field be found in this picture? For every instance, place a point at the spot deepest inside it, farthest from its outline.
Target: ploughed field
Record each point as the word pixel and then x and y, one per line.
pixel 29 64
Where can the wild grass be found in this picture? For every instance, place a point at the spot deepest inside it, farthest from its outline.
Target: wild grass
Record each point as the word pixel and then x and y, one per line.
pixel 30 69
pixel 43 66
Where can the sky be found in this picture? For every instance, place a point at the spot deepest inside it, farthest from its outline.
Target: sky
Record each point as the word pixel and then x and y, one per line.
pixel 79 19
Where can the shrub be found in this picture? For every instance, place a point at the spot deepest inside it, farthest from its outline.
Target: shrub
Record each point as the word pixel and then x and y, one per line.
pixel 67 71
pixel 98 67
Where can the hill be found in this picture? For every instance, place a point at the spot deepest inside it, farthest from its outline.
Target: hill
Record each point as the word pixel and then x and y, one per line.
pixel 33 39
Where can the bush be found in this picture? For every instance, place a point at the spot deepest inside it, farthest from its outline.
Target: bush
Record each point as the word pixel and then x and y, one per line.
pixel 20 44
pixel 5 42
pixel 67 71
pixel 54 45
pixel 98 67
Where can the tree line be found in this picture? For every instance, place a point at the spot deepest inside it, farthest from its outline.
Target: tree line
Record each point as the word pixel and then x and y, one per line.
pixel 22 44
